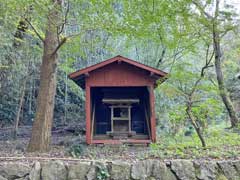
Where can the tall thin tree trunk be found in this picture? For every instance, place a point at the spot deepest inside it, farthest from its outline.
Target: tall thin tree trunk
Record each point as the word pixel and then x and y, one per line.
pixel 41 132
pixel 214 20
pixel 30 97
pixel 65 100
pixel 16 123
pixel 221 86
pixel 195 125
pixel 189 103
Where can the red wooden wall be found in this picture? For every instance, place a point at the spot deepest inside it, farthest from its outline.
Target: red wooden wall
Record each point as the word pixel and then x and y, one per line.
pixel 115 75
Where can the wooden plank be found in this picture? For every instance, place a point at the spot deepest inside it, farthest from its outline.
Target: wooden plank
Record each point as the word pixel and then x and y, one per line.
pixel 93 119
pixel 120 75
pixel 111 119
pixel 152 118
pixel 133 133
pixel 88 115
pixel 120 106
pixel 129 119
pixel 116 141
pixel 115 133
pixel 117 101
pixel 120 119
pixel 147 120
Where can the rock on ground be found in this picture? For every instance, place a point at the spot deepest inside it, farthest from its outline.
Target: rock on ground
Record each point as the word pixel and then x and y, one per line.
pixel 35 172
pixel 78 170
pixel 142 169
pixel 2 178
pixel 206 170
pixel 54 170
pixel 151 169
pixel 161 171
pixel 229 170
pixel 183 169
pixel 13 170
pixel 120 170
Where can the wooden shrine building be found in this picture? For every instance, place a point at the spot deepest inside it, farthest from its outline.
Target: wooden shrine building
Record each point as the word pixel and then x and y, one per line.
pixel 119 101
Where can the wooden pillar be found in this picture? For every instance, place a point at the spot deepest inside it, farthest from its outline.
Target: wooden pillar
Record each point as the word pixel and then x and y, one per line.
pixel 152 114
pixel 88 115
pixel 112 119
pixel 129 120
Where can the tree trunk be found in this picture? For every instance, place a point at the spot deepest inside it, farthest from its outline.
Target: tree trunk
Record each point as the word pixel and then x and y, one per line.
pixel 65 100
pixel 15 130
pixel 195 125
pixel 41 132
pixel 30 96
pixel 221 86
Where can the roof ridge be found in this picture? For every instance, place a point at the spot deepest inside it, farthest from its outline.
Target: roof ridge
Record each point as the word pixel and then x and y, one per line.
pixel 114 59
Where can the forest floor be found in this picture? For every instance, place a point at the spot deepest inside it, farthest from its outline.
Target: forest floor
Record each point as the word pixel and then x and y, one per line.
pixel 68 143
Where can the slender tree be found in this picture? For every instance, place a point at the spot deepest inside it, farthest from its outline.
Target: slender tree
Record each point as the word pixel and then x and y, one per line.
pixel 190 96
pixel 213 23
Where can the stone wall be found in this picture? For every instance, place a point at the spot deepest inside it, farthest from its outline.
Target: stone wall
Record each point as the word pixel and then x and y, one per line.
pixel 150 169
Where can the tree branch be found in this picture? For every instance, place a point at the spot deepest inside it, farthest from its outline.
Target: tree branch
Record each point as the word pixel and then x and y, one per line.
pixel 207 65
pixel 34 29
pixel 162 56
pixel 216 9
pixel 208 61
pixel 59 46
pixel 201 9
pixel 65 19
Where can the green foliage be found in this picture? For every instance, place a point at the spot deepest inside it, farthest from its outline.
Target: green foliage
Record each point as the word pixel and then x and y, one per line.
pixel 102 172
pixel 221 143
pixel 76 150
pixel 137 29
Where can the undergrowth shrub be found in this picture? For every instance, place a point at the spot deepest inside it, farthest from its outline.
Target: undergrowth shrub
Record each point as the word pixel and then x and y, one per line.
pixel 76 150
